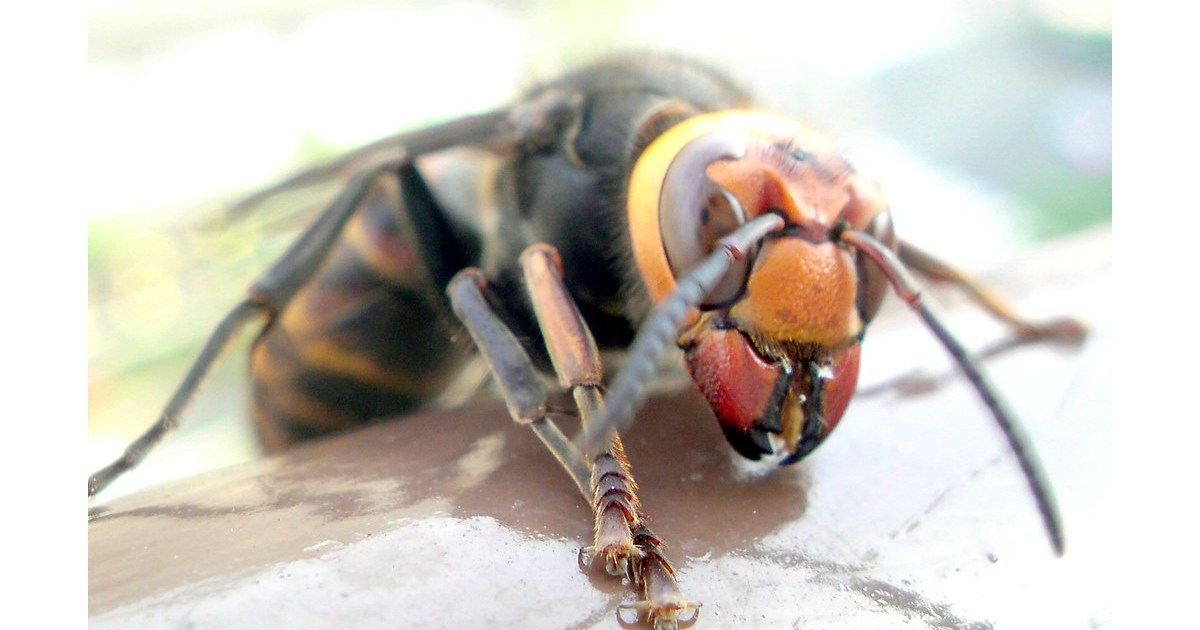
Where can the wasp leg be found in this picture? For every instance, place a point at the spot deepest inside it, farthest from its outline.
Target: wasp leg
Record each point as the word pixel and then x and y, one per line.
pixel 519 382
pixel 269 295
pixel 924 263
pixel 225 333
pixel 621 538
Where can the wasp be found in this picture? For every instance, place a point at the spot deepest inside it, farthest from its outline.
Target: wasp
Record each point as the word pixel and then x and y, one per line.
pixel 632 205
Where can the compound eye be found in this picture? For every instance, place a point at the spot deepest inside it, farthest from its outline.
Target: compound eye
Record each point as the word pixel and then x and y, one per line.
pixel 866 209
pixel 873 285
pixel 694 212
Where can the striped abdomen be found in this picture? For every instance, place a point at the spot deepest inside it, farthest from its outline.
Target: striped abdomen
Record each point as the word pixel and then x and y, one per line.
pixel 367 338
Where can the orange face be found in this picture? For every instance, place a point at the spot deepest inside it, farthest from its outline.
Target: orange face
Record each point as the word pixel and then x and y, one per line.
pixel 775 346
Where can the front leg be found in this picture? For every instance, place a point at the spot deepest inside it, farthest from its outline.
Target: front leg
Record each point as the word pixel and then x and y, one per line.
pixel 621 539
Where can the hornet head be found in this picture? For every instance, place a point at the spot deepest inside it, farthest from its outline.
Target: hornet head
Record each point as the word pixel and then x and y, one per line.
pixel 774 348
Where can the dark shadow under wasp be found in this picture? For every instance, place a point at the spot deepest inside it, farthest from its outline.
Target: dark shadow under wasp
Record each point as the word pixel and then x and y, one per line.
pixel 635 204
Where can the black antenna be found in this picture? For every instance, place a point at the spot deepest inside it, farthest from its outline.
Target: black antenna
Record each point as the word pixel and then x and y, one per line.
pixel 907 289
pixel 662 327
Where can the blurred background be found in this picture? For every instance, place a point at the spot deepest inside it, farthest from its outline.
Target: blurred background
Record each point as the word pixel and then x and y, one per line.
pixel 1000 108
